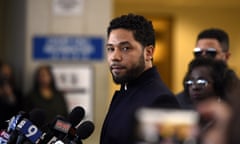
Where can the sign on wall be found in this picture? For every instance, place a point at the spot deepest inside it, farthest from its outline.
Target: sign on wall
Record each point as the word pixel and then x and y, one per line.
pixel 68 48
pixel 68 7
pixel 77 83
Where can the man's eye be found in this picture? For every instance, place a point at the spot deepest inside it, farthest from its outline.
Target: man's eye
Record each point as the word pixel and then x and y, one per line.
pixel 110 49
pixel 125 48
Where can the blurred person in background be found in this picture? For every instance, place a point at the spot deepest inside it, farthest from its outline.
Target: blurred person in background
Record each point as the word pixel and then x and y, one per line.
pixel 208 79
pixel 214 43
pixel 210 43
pixel 220 114
pixel 233 127
pixel 45 95
pixel 225 117
pixel 10 95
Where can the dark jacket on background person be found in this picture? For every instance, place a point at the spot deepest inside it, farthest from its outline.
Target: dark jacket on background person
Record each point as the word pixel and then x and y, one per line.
pixel 184 101
pixel 54 106
pixel 146 91
pixel 10 105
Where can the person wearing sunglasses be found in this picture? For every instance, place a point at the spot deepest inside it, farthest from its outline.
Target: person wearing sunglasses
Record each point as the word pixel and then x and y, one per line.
pixel 207 78
pixel 211 43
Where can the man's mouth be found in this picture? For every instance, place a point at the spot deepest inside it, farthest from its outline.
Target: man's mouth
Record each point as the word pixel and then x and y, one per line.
pixel 117 69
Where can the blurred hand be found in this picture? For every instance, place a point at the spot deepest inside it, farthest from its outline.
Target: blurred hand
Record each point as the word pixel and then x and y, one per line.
pixel 218 113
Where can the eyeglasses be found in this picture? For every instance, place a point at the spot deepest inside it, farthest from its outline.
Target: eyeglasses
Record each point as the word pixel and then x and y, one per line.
pixel 199 82
pixel 210 52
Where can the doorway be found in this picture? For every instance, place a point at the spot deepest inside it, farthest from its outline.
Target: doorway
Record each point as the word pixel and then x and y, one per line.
pixel 163 49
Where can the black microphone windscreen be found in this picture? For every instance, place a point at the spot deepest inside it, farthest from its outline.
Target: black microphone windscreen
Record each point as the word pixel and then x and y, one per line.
pixel 85 130
pixel 76 115
pixel 37 116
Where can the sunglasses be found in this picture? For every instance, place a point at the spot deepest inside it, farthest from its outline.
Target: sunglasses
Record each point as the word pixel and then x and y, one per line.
pixel 210 52
pixel 202 83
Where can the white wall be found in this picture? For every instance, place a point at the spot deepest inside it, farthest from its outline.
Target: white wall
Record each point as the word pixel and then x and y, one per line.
pixel 93 21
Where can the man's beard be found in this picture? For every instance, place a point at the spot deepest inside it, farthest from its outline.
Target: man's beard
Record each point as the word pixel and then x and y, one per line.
pixel 131 74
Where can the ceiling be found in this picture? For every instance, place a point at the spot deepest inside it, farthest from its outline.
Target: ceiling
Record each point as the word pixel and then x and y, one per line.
pixel 183 3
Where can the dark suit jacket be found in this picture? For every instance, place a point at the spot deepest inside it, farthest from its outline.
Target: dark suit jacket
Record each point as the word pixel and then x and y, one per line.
pixel 146 91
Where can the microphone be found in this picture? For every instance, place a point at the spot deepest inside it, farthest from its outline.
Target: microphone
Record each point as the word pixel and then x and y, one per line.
pixel 59 142
pixel 55 130
pixel 61 127
pixel 76 115
pixel 27 131
pixel 4 136
pixel 38 116
pixel 28 128
pixel 15 120
pixel 83 132
pixel 12 124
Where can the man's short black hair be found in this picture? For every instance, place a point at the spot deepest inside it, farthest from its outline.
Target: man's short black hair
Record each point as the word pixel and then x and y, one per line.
pixel 142 28
pixel 220 35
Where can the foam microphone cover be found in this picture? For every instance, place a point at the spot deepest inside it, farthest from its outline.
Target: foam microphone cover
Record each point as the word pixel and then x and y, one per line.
pixel 76 115
pixel 37 116
pixel 85 130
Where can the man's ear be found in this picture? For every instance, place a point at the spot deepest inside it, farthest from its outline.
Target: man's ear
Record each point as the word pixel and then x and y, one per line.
pixel 227 56
pixel 149 50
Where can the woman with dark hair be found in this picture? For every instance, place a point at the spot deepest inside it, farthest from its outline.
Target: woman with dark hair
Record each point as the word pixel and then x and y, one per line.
pixel 45 95
pixel 207 78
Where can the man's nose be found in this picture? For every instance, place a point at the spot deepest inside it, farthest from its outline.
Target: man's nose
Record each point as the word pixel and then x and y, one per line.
pixel 116 55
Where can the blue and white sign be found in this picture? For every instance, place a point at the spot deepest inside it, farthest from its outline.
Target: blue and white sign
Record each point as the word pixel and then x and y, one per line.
pixel 68 48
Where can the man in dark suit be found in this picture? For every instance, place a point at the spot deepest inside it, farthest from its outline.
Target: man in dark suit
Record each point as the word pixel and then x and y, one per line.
pixel 130 48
